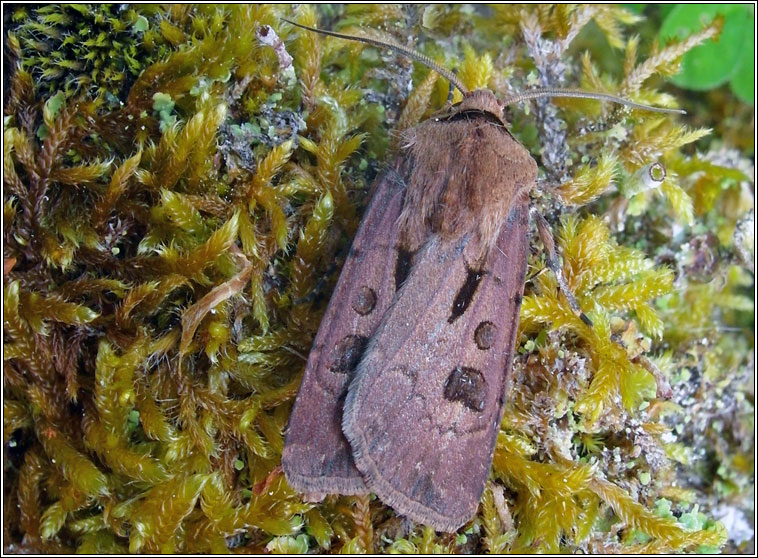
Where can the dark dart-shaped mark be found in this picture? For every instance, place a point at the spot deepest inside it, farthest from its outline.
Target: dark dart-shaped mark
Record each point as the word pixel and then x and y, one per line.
pixel 465 294
pixel 402 267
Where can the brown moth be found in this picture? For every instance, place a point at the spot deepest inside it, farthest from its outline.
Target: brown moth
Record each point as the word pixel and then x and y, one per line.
pixel 404 387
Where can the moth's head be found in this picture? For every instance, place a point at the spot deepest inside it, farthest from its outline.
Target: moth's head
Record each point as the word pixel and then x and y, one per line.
pixel 481 100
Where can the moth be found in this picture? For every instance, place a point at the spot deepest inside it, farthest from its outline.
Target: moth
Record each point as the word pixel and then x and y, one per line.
pixel 404 387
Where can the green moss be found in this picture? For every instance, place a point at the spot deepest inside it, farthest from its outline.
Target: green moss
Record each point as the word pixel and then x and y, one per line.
pixel 175 218
pixel 78 48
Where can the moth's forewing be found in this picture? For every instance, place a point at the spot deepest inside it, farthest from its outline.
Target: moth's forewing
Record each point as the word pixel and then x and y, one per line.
pixel 317 457
pixel 423 412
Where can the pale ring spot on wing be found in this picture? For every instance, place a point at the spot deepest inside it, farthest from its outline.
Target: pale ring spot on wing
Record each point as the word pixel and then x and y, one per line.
pixel 364 301
pixel 484 335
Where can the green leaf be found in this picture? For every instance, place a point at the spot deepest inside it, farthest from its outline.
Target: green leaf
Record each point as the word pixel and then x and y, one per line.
pixel 141 24
pixel 714 62
pixel 743 81
pixel 42 132
pixel 54 103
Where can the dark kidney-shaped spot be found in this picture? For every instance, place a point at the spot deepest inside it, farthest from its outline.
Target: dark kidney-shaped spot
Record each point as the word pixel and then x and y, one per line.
pixel 484 335
pixel 465 294
pixel 466 385
pixel 364 301
pixel 347 354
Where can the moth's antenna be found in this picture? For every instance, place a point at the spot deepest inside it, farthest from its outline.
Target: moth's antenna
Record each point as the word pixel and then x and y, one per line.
pixel 578 94
pixel 428 62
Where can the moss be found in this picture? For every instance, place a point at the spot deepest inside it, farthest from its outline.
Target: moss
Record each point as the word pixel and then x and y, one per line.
pixel 175 219
pixel 76 48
